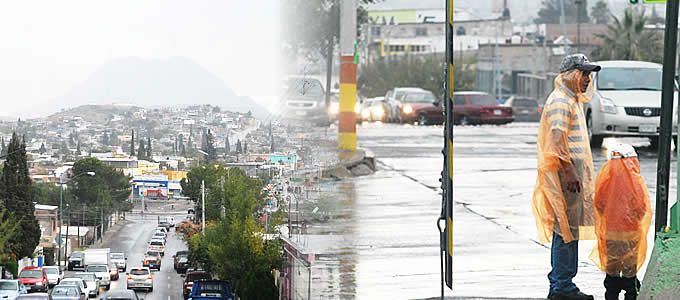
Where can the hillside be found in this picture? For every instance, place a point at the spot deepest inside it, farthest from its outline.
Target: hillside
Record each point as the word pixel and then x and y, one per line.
pixel 94 113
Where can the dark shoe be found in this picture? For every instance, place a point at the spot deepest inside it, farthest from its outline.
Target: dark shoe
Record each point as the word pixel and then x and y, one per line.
pixel 577 295
pixel 556 296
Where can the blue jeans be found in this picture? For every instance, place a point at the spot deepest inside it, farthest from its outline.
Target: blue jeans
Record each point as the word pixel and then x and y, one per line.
pixel 564 262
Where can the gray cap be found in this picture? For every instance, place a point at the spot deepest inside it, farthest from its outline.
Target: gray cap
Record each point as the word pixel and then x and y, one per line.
pixel 578 61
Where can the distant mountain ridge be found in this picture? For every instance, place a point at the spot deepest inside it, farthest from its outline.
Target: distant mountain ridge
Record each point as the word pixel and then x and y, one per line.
pixel 175 81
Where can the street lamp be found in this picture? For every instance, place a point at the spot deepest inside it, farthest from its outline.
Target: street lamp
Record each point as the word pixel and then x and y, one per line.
pixel 61 208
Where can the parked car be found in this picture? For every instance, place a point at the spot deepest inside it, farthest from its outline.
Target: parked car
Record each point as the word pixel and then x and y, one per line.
pixel 181 261
pixel 190 277
pixel 34 296
pixel 81 283
pixel 140 277
pixel 10 289
pixel 34 278
pixel 304 100
pixel 120 295
pixel 102 273
pixel 75 261
pixel 211 289
pixel 626 102
pixel 119 260
pixel 152 260
pixel 54 275
pixel 420 106
pixel 68 292
pixel 92 283
pixel 524 109
pixel 479 108
pixel 375 109
pixel 392 100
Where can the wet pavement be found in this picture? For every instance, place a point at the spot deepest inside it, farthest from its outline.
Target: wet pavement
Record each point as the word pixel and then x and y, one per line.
pixel 389 245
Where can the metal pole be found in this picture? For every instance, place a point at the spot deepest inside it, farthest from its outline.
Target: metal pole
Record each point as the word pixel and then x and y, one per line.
pixel 61 221
pixel 564 26
pixel 578 24
pixel 66 240
pixel 203 206
pixel 667 91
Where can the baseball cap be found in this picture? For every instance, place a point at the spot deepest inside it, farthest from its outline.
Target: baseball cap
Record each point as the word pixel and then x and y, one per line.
pixel 578 61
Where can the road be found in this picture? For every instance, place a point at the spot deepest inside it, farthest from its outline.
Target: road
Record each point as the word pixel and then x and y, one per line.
pixel 132 239
pixel 496 252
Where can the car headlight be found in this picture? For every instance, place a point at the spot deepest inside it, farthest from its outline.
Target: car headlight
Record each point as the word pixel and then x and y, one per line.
pixel 334 108
pixel 365 114
pixel 357 107
pixel 379 112
pixel 607 106
pixel 38 283
pixel 407 109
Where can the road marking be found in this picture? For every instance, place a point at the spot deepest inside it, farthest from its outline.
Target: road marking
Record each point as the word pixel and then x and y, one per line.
pixel 168 276
pixel 169 298
pixel 169 285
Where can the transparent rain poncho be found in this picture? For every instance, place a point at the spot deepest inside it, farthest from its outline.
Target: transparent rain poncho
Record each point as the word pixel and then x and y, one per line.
pixel 563 139
pixel 622 216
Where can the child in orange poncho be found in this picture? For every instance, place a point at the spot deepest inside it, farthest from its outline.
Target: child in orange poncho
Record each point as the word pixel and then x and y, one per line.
pixel 622 220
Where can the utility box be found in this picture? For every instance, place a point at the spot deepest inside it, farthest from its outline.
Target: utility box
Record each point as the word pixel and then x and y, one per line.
pixel 663 272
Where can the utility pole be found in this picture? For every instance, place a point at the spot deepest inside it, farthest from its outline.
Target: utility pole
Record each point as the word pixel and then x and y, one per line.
pixel 203 206
pixel 578 24
pixel 564 27
pixel 61 220
pixel 347 136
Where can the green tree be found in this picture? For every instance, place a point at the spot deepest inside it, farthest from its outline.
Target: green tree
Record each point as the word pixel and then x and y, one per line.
pixel 149 153
pixel 227 147
pixel 9 228
pixel 132 144
pixel 239 148
pixel 141 150
pixel 180 146
pixel 245 147
pixel 551 12
pixel 47 193
pixel 3 150
pixel 600 12
pixel 627 39
pixel 15 192
pixel 42 149
pixel 210 147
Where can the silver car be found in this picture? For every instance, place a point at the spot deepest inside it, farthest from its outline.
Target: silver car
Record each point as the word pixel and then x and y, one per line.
pixel 93 284
pixel 140 277
pixel 626 102
pixel 79 282
pixel 10 289
pixel 68 292
pixel 119 260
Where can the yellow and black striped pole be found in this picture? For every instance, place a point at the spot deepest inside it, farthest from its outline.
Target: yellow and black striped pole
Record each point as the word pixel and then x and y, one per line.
pixel 347 131
pixel 447 175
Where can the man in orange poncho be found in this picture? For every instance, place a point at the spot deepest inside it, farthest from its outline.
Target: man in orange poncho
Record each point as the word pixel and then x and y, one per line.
pixel 563 196
pixel 622 218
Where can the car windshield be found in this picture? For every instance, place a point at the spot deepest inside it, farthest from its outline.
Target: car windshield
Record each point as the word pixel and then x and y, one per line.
pixel 65 291
pixel 51 271
pixel 77 255
pixel 8 285
pixel 86 276
pixel 30 274
pixel 304 87
pixel 524 103
pixel 157 243
pixel 482 100
pixel 96 269
pixel 152 255
pixel 419 97
pixel 117 256
pixel 183 259
pixel 624 79
pixel 139 272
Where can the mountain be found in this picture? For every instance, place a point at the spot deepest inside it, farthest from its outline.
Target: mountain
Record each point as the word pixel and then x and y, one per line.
pixel 176 81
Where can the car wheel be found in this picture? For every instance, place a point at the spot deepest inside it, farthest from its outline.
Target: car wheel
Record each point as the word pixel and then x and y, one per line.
pixel 422 120
pixel 595 140
pixel 150 290
pixel 464 121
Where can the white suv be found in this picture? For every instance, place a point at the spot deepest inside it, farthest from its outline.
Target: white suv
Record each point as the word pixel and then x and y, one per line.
pixel 626 102
pixel 103 274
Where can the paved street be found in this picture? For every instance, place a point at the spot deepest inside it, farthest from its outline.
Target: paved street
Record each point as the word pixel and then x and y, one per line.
pixel 133 238
pixel 496 254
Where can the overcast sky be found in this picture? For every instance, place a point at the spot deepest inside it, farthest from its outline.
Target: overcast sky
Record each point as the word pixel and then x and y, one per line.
pixel 48 47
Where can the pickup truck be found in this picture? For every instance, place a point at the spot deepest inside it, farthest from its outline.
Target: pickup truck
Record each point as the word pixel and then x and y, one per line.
pixel 211 289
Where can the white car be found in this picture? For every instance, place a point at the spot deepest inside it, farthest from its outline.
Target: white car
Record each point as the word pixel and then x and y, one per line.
pixel 91 281
pixel 103 274
pixel 10 289
pixel 626 102
pixel 162 229
pixel 157 245
pixel 160 236
pixel 86 287
pixel 54 275
pixel 119 260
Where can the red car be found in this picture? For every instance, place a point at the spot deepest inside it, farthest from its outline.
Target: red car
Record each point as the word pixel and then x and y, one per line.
pixel 479 108
pixel 418 105
pixel 34 278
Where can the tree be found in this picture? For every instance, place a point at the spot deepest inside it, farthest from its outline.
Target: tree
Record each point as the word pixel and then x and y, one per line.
pixel 78 149
pixel 149 153
pixel 15 193
pixel 239 148
pixel 551 12
pixel 9 227
pixel 600 12
pixel 105 139
pixel 627 39
pixel 42 148
pixel 245 146
pixel 227 147
pixel 210 147
pixel 47 193
pixel 141 151
pixel 132 144
pixel 180 146
pixel 3 151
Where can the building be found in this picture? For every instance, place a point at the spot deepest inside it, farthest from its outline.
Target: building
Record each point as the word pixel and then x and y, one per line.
pixel 48 218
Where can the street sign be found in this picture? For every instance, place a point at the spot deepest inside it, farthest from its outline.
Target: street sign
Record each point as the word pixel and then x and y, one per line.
pixel 653 1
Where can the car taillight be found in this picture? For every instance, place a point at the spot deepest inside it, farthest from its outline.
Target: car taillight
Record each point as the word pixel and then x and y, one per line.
pixel 129 277
pixel 150 277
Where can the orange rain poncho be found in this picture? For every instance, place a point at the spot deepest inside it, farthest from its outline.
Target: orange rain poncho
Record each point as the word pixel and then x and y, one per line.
pixel 563 139
pixel 622 217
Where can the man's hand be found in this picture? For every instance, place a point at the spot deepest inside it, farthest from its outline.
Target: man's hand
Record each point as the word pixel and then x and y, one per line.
pixel 573 184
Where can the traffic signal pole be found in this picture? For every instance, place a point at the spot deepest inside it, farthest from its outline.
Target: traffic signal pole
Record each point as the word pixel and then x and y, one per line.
pixel 347 131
